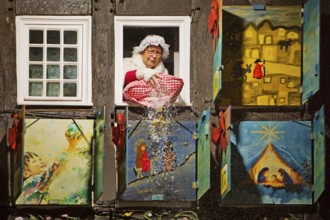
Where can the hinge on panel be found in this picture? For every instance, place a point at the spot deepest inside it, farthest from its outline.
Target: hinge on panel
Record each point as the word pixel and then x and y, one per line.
pixel 195 185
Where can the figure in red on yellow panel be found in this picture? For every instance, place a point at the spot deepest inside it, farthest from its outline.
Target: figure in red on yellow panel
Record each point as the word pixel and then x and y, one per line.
pixel 259 69
pixel 142 161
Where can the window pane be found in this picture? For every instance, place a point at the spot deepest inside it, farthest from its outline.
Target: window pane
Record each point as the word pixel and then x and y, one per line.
pixel 36 37
pixel 35 89
pixel 70 72
pixel 70 54
pixel 70 89
pixel 53 37
pixel 36 54
pixel 53 71
pixel 35 71
pixel 70 37
pixel 53 89
pixel 53 54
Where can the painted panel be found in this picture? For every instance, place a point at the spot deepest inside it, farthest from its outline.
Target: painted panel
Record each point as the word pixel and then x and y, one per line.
pixel 99 153
pixel 203 154
pixel 225 173
pixel 4 163
pixel 17 145
pixel 120 138
pixel 57 162
pixel 261 56
pixel 161 160
pixel 319 153
pixel 217 64
pixel 311 52
pixel 273 163
pixel 3 131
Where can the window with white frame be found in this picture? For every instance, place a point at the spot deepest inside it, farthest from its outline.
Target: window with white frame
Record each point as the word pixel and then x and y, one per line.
pixel 130 30
pixel 54 60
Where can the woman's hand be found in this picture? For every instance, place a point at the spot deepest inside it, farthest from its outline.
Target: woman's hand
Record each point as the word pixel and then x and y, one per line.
pixel 148 75
pixel 154 79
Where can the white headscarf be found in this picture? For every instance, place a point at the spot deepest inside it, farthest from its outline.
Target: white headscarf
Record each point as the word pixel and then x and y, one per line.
pixel 154 40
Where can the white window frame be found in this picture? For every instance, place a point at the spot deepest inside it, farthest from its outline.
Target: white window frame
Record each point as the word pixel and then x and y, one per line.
pixel 84 86
pixel 183 70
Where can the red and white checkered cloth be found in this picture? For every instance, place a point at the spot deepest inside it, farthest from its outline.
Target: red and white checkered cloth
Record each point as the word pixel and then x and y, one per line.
pixel 165 91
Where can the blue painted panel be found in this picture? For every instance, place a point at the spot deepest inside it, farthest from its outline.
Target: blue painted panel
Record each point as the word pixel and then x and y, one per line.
pixel 311 49
pixel 217 60
pixel 99 153
pixel 203 154
pixel 165 168
pixel 273 163
pixel 319 153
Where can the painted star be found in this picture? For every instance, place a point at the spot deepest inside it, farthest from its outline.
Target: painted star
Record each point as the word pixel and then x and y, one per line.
pixel 269 133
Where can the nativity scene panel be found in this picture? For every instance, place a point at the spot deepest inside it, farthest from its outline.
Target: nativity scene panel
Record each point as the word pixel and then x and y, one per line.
pixel 277 159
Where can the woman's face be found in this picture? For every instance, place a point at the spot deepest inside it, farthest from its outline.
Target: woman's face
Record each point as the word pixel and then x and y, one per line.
pixel 152 56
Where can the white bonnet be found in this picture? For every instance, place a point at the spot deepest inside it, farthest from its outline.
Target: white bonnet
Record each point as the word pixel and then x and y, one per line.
pixel 154 40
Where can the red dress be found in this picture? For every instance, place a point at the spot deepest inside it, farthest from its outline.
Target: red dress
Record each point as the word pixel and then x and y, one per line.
pixel 257 72
pixel 145 161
